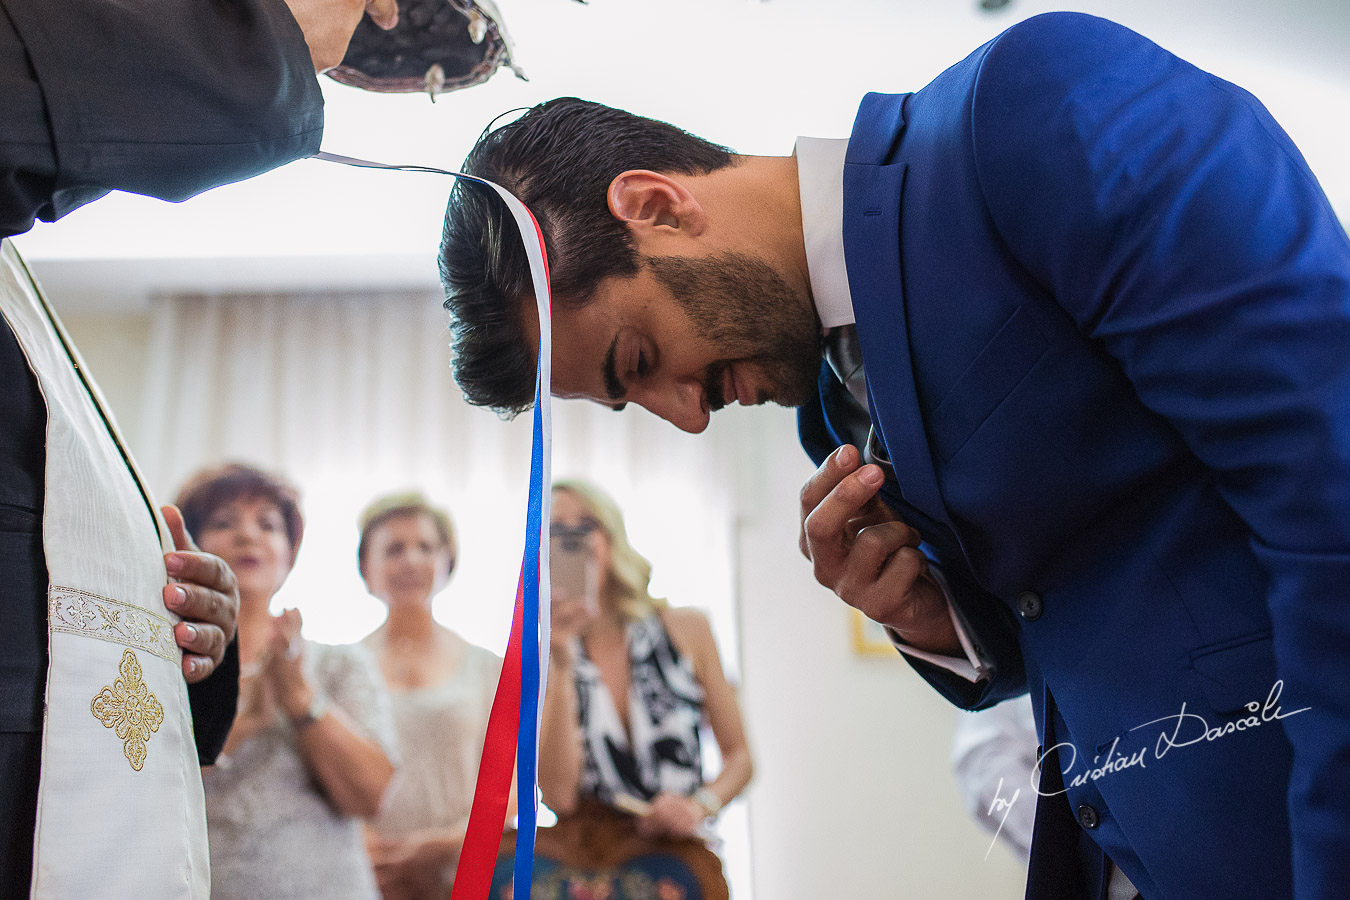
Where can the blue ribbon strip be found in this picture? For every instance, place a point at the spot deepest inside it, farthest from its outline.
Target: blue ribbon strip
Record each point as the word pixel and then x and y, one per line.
pixel 532 651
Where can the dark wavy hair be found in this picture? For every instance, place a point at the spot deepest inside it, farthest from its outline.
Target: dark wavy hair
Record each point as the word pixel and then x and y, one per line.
pixel 212 488
pixel 558 159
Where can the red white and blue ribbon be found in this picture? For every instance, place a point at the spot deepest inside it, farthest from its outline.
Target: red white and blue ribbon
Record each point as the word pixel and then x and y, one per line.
pixel 513 724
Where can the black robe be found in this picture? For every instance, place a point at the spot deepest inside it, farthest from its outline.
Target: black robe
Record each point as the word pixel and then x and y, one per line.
pixel 160 97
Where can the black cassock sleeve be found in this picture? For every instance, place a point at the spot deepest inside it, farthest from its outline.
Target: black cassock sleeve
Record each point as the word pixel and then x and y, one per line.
pixel 165 98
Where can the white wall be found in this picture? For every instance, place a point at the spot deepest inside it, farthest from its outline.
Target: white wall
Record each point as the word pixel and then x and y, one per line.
pixel 853 796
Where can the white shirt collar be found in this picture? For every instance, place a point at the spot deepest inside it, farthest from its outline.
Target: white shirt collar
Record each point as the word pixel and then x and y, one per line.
pixel 820 180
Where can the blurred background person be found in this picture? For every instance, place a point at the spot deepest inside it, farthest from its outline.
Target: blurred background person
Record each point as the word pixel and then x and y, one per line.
pixel 632 680
pixel 441 688
pixel 310 753
pixel 994 758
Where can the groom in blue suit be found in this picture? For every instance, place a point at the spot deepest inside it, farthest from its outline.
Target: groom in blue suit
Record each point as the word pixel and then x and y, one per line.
pixel 1083 421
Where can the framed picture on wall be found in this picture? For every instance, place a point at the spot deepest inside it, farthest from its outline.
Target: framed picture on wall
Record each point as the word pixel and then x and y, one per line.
pixel 869 638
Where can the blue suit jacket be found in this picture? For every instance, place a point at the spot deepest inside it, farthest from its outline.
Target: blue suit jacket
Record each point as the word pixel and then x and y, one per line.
pixel 1104 309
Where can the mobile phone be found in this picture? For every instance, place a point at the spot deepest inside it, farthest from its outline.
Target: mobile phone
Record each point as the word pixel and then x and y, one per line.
pixel 570 570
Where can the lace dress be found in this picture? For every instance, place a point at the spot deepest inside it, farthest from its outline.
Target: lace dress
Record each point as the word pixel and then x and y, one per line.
pixel 272 833
pixel 440 734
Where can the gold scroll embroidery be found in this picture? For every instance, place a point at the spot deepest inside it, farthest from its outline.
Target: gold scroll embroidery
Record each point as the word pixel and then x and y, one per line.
pixel 130 708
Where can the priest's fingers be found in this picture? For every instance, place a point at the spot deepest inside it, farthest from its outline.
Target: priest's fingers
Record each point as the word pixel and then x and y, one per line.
pixel 203 648
pixel 214 597
pixel 205 594
pixel 383 13
pixel 328 25
pixel 173 518
pixel 206 590
pixel 208 615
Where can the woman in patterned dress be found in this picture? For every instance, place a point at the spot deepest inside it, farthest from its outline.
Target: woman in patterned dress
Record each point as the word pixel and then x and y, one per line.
pixel 632 681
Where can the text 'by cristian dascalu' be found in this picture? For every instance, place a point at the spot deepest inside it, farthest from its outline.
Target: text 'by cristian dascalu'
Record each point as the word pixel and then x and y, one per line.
pixel 1181 729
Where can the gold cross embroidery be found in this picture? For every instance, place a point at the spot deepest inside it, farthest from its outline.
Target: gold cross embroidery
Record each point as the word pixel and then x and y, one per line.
pixel 130 708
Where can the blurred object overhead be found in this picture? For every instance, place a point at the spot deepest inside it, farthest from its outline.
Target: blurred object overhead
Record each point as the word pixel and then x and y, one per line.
pixel 437 46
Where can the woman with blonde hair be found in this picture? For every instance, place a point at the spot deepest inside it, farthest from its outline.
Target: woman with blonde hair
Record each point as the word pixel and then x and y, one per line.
pixel 631 682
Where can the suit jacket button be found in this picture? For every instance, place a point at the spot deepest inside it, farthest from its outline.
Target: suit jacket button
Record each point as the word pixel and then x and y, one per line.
pixel 1088 817
pixel 1030 606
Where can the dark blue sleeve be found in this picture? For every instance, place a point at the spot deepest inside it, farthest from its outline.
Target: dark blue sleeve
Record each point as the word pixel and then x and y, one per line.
pixel 1171 217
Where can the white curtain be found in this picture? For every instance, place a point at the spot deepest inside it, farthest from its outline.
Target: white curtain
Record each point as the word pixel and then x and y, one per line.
pixel 350 396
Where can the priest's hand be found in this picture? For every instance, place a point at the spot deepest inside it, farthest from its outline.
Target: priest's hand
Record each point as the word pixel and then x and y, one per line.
pixel 329 24
pixel 204 593
pixel 868 557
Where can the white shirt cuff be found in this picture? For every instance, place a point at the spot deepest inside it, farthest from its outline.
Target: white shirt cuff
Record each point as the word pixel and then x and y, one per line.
pixel 972 667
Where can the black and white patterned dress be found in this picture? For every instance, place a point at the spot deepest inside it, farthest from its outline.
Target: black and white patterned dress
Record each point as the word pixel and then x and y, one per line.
pixel 659 749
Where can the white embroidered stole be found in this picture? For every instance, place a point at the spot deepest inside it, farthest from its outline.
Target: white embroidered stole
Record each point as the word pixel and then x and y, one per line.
pixel 120 806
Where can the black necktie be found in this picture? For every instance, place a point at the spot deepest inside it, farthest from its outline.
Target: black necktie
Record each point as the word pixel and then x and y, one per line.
pixel 844 355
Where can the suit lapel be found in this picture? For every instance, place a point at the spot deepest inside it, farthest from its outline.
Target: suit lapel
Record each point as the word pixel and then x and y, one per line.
pixel 872 194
